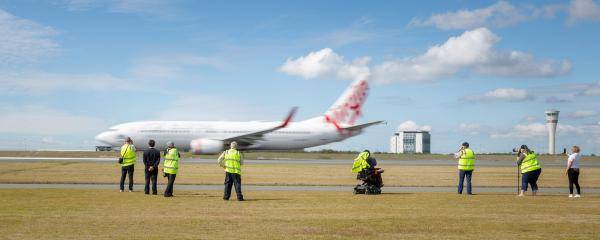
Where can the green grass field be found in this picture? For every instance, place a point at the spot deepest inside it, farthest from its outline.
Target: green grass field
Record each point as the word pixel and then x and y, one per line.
pixel 282 174
pixel 291 155
pixel 107 214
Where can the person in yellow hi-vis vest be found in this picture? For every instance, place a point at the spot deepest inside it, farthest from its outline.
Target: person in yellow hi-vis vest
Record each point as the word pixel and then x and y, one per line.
pixel 466 165
pixel 171 167
pixel 127 160
pixel 530 170
pixel 231 161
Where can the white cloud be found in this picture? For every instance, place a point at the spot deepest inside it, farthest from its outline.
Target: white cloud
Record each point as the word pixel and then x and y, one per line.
pixel 502 94
pixel 43 82
pixel 538 130
pixel 23 40
pixel 214 108
pixel 325 63
pixel 504 14
pixel 171 66
pixel 583 114
pixel 500 14
pixel 358 31
pixel 473 50
pixel 412 126
pixel 43 120
pixel 160 8
pixel 471 128
pixel 592 90
pixel 583 10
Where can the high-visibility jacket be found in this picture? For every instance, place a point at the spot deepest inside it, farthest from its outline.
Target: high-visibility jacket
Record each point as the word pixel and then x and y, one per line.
pixel 530 163
pixel 233 161
pixel 128 155
pixel 361 162
pixel 467 160
pixel 171 163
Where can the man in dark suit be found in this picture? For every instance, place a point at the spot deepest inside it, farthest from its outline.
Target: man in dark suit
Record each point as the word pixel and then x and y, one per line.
pixel 151 160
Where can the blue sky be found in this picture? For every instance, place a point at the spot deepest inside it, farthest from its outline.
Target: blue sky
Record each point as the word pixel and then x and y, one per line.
pixel 479 71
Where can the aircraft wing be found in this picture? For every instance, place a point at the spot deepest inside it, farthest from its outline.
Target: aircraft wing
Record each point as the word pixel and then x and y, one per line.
pixel 250 138
pixel 361 126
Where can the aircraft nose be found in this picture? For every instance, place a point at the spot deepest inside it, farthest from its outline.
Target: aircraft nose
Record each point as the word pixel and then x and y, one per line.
pixel 106 138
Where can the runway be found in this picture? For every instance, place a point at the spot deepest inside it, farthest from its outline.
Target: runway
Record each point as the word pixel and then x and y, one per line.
pixel 393 189
pixel 431 162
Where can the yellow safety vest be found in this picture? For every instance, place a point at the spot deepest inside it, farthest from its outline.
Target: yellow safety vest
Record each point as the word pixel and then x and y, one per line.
pixel 530 163
pixel 360 162
pixel 128 155
pixel 171 164
pixel 233 160
pixel 467 160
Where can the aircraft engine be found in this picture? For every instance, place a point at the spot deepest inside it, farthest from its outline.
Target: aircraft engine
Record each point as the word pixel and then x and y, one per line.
pixel 206 146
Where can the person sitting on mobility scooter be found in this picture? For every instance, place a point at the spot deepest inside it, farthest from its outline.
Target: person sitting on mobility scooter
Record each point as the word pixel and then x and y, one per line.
pixel 364 166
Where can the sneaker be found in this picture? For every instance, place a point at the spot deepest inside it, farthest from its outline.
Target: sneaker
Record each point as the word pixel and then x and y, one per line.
pixel 577 196
pixel 120 190
pixel 130 191
pixel 570 195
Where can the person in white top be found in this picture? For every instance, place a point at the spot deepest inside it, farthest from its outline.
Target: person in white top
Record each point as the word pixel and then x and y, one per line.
pixel 573 171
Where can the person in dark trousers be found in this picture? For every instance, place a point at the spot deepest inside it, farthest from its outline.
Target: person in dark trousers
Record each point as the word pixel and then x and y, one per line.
pixel 530 170
pixel 171 167
pixel 127 160
pixel 231 161
pixel 573 171
pixel 151 160
pixel 466 165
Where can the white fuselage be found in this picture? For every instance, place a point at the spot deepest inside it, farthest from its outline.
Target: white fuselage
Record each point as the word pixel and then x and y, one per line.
pixel 297 135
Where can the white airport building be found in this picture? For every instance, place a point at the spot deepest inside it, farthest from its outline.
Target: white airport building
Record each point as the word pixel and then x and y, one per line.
pixel 410 142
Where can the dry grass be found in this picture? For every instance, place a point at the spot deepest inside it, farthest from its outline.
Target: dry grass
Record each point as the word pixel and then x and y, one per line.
pixel 104 214
pixel 281 174
pixel 292 155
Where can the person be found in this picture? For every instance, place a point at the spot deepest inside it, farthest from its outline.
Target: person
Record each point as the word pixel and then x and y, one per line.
pixel 530 169
pixel 573 171
pixel 128 163
pixel 231 161
pixel 151 161
pixel 171 167
pixel 466 165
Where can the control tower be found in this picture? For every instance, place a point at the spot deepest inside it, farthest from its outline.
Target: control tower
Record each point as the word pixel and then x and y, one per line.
pixel 551 122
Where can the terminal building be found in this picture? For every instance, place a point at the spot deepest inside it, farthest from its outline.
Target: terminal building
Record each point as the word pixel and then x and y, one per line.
pixel 410 142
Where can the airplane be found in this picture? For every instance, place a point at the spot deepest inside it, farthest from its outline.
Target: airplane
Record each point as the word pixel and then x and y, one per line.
pixel 209 137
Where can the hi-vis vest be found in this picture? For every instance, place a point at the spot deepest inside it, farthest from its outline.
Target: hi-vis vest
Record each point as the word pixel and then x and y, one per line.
pixel 360 162
pixel 530 163
pixel 232 161
pixel 128 155
pixel 467 160
pixel 171 164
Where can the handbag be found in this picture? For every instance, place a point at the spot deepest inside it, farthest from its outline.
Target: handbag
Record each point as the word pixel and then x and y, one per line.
pixel 121 158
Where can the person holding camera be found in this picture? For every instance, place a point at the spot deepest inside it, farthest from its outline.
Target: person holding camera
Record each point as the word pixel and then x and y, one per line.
pixel 127 161
pixel 466 165
pixel 151 160
pixel 573 171
pixel 171 167
pixel 530 169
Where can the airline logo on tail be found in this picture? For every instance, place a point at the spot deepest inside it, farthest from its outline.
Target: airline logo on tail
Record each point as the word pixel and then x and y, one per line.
pixel 348 107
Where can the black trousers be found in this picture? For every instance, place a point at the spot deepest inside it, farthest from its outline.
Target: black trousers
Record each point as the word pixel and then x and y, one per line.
pixel 127 170
pixel 531 179
pixel 573 174
pixel 236 180
pixel 171 181
pixel 150 176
